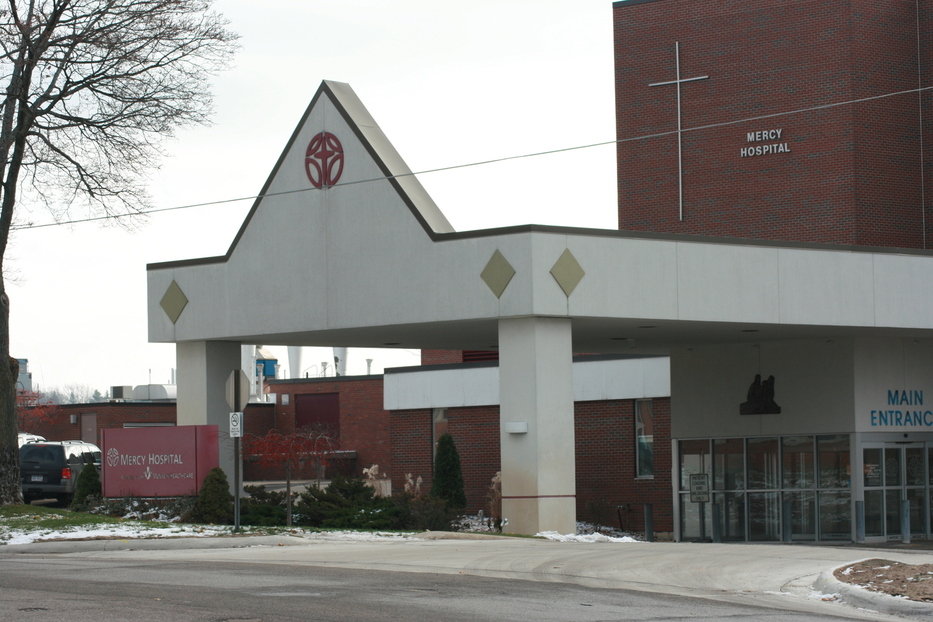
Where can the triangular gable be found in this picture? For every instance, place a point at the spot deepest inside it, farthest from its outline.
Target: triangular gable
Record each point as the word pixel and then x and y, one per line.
pixel 365 129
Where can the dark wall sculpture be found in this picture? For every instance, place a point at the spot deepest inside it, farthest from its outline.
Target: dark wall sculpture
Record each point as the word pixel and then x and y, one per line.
pixel 760 398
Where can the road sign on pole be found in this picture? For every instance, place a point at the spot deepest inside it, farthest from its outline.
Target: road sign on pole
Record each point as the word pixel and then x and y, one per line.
pixel 237 390
pixel 236 425
pixel 237 398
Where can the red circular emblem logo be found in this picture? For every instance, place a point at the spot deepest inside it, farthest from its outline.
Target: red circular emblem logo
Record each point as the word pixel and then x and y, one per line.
pixel 324 160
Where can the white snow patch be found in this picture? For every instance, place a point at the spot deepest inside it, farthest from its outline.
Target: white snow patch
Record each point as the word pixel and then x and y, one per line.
pixel 353 536
pixel 824 597
pixel 131 531
pixel 18 536
pixel 590 537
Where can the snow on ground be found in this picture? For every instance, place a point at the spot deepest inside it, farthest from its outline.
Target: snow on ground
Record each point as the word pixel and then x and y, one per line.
pixel 352 536
pixel 589 537
pixel 128 530
pixel 131 529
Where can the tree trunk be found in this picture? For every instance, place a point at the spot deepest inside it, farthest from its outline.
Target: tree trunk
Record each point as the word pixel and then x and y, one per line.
pixel 288 494
pixel 10 491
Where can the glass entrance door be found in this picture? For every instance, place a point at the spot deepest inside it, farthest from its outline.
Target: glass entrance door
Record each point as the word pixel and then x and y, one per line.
pixel 895 473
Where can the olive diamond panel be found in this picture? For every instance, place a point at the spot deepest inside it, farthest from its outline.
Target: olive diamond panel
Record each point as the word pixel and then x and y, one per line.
pixel 497 273
pixel 173 302
pixel 567 272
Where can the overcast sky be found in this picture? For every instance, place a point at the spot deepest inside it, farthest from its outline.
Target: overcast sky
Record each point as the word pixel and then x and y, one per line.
pixel 449 83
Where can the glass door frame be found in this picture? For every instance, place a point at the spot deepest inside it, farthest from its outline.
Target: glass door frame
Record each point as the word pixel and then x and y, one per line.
pixel 885 485
pixel 815 483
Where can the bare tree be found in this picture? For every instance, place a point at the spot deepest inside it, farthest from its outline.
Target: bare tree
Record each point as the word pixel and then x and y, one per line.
pixel 88 90
pixel 70 394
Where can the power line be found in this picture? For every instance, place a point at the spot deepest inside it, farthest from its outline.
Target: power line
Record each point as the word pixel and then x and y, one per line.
pixel 453 167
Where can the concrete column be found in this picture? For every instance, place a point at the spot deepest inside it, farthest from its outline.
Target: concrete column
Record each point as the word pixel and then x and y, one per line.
pixel 536 425
pixel 203 368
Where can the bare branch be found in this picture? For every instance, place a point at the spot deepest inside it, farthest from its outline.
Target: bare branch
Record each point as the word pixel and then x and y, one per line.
pixel 88 91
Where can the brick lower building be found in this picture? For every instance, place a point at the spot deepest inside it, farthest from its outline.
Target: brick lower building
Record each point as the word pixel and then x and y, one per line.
pixel 621 441
pixel 622 457
pixel 85 421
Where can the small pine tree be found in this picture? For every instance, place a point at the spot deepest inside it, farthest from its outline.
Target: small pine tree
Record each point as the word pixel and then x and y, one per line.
pixel 448 478
pixel 215 503
pixel 86 488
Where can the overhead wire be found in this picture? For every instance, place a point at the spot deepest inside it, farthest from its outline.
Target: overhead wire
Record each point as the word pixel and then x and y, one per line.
pixel 486 162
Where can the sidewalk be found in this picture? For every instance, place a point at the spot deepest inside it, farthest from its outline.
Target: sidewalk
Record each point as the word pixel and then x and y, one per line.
pixel 795 577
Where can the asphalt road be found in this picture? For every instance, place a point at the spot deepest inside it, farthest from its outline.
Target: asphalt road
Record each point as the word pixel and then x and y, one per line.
pixel 79 588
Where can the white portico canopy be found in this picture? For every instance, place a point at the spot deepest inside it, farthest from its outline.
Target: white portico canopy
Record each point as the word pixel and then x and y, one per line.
pixel 345 248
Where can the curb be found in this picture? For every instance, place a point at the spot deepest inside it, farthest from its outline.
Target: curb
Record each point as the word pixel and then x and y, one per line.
pixel 866 599
pixel 122 544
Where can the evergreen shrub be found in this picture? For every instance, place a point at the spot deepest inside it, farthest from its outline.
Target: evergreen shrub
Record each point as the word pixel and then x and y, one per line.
pixel 422 512
pixel 215 503
pixel 448 477
pixel 347 503
pixel 87 488
pixel 262 508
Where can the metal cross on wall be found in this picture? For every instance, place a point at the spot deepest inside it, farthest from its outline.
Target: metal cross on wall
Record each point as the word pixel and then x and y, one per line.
pixel 680 164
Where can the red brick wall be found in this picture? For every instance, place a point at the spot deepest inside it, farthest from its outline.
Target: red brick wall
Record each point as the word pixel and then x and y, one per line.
pixel 605 446
pixel 364 425
pixel 476 433
pixel 410 435
pixel 54 423
pixel 926 24
pixel 852 176
pixel 605 463
pixel 441 357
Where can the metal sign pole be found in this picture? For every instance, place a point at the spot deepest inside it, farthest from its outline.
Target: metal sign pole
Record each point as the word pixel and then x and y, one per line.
pixel 236 455
pixel 236 477
pixel 237 399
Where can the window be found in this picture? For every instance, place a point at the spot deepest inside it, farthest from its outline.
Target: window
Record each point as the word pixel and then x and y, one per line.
pixel 797 460
pixel 763 463
pixel 644 439
pixel 833 461
pixel 771 487
pixel 729 463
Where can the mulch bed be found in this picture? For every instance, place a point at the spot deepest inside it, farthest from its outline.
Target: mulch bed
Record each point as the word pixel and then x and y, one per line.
pixel 883 575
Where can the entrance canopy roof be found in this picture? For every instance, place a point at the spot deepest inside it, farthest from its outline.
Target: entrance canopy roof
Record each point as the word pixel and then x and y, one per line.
pixel 344 247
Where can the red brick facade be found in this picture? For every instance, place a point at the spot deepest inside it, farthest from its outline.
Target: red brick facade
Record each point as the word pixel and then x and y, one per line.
pixel 85 421
pixel 401 442
pixel 441 357
pixel 65 422
pixel 364 425
pixel 605 458
pixel 608 489
pixel 410 435
pixel 852 174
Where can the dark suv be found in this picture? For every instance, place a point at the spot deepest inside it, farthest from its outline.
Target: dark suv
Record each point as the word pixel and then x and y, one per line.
pixel 51 468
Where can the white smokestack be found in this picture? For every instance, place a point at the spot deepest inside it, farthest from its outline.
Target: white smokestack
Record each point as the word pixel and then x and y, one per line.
pixel 340 361
pixel 295 361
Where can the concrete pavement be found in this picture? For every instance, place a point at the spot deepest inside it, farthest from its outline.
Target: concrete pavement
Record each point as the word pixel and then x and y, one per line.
pixel 776 575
